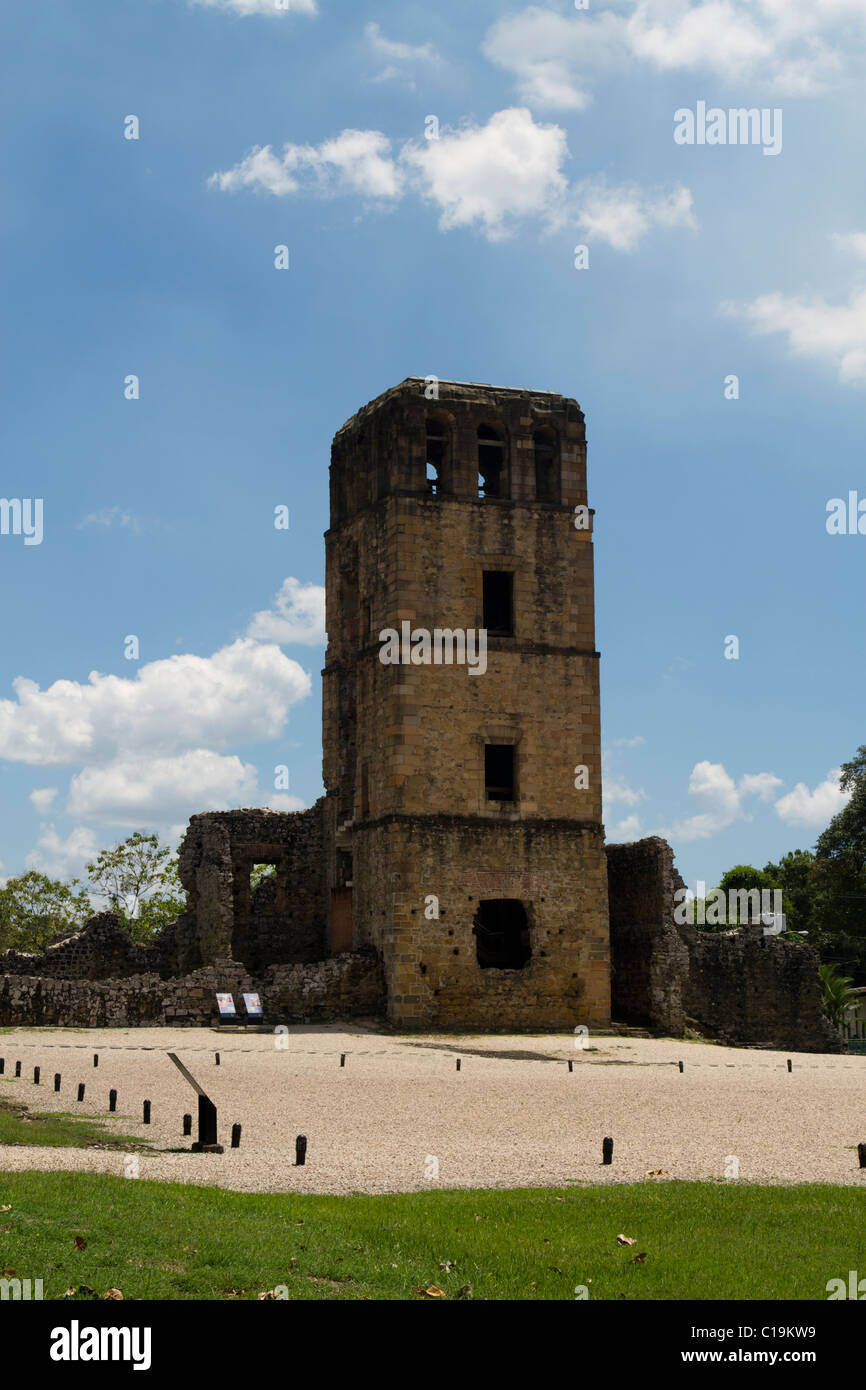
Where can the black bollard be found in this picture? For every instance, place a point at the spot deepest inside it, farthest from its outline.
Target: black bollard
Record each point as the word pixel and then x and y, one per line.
pixel 217 1056
pixel 342 1059
pixel 607 1151
pixel 57 1081
pixel 112 1101
pixel 81 1090
pixel 187 1124
pixel 17 1068
pixel 790 1065
pixel 861 1154
pixel 300 1150
pixel 236 1136
pixel 36 1075
pixel 458 1063
pixel 571 1066
pixel 147 1112
pixel 2 1065
pixel 96 1059
pixel 681 1066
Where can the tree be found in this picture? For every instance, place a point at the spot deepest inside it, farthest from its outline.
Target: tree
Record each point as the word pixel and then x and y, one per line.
pixel 35 909
pixel 793 875
pixel 138 880
pixel 838 876
pixel 837 994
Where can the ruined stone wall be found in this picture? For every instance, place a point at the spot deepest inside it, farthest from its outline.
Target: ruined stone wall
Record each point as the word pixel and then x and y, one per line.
pixel 757 990
pixel 434 977
pixel 649 963
pixel 288 921
pixel 102 950
pixel 347 986
pixel 741 987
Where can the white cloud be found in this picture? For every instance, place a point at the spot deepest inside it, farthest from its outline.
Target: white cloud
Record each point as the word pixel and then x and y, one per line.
pixel 634 742
pixel 796 47
pixel 813 810
pixel 625 830
pixel 241 693
pixel 111 516
pixel 355 161
pixel 833 333
pixel 489 176
pixel 722 799
pixel 298 615
pixel 64 859
pixel 146 791
pixel 267 7
pixel 615 789
pixel 851 241
pixel 398 57
pixel 42 798
pixel 623 215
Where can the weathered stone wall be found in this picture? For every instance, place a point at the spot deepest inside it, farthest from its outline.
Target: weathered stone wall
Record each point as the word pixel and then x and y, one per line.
pixel 285 923
pixel 434 976
pixel 649 963
pixel 347 986
pixel 764 991
pixel 102 950
pixel 742 987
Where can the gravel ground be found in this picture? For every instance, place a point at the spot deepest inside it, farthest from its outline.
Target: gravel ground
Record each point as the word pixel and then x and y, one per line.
pixel 513 1116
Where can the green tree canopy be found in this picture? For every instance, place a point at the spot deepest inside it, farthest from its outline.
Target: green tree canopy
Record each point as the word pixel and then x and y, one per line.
pixel 138 880
pixel 35 909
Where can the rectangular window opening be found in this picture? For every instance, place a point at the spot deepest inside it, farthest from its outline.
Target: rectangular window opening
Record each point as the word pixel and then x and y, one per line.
pixel 499 767
pixel 498 592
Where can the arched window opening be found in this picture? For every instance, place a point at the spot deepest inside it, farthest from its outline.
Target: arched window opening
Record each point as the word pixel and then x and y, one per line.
pixel 491 462
pixel 437 447
pixel 544 445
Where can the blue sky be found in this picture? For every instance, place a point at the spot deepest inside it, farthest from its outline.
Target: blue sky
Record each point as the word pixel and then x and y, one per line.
pixel 454 257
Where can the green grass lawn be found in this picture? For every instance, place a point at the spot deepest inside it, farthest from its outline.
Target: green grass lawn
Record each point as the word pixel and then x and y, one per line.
pixel 20 1126
pixel 161 1240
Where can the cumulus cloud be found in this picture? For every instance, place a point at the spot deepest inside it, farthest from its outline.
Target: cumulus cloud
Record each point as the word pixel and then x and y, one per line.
pixel 722 799
pixel 297 615
pixel 615 789
pixel 43 798
pixel 355 161
pixel 490 177
pixel 282 801
pixel 241 693
pixel 797 47
pixel 399 58
pixel 625 830
pixel 267 7
pixel 143 791
pixel 813 810
pixel 812 328
pixel 623 215
pixel 64 859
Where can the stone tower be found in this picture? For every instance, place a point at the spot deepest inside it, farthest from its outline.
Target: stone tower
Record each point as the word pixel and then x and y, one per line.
pixel 463 810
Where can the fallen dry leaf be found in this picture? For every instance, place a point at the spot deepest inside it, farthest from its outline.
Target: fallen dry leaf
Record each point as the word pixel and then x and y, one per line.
pixel 446 1266
pixel 9 1208
pixel 657 1173
pixel 9 1274
pixel 113 1293
pixel 626 1240
pixel 80 1243
pixel 434 1291
pixel 639 1259
pixel 465 1291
